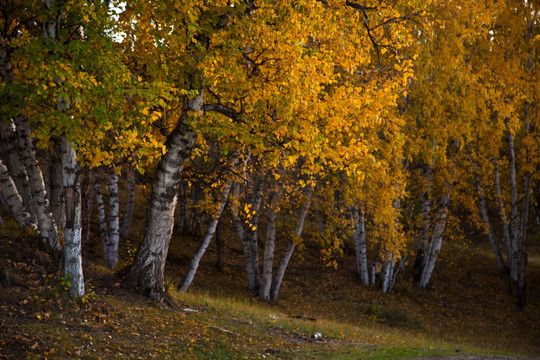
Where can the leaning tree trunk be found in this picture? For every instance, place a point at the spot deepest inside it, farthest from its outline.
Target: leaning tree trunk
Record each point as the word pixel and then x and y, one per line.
pixel 72 232
pixel 280 272
pixel 14 200
pixel 359 237
pixel 130 206
pixel 148 270
pixel 485 217
pixel 114 221
pixel 40 203
pixel 201 249
pixel 435 241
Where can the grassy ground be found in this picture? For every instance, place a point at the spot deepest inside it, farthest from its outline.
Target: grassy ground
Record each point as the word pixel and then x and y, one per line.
pixel 468 308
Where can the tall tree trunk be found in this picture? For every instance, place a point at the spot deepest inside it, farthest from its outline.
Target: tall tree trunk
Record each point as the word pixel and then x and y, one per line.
pixel 435 241
pixel 485 216
pixel 423 241
pixel 72 232
pixel 280 272
pixel 515 235
pixel 502 213
pixel 114 221
pixel 269 247
pixel 14 200
pixel 130 205
pixel 103 227
pixel 523 243
pixel 57 190
pixel 87 193
pixel 148 270
pixel 201 249
pixel 359 237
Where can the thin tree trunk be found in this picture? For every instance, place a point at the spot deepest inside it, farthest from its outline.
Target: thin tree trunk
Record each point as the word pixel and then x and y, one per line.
pixel 280 272
pixel 423 241
pixel 148 270
pixel 14 200
pixel 87 193
pixel 485 216
pixel 103 227
pixel 57 190
pixel 523 243
pixel 436 241
pixel 114 221
pixel 130 206
pixel 72 232
pixel 387 272
pixel 513 261
pixel 269 247
pixel 201 249
pixel 359 237
pixel 502 212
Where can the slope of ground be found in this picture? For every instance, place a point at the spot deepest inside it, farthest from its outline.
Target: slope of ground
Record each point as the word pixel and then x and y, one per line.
pixel 467 310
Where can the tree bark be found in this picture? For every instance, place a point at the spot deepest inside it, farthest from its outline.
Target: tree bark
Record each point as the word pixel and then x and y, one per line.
pixel 72 232
pixel 147 271
pixel 485 216
pixel 14 200
pixel 435 241
pixel 130 206
pixel 103 227
pixel 114 221
pixel 515 235
pixel 280 272
pixel 502 212
pixel 359 237
pixel 269 247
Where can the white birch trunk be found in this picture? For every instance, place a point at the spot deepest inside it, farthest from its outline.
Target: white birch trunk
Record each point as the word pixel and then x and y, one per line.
pixel 47 227
pixel 111 258
pixel 523 242
pixel 72 232
pixel 485 217
pixel 373 278
pixel 14 200
pixel 280 272
pixel 359 237
pixel 436 241
pixel 201 249
pixel 502 213
pixel 103 227
pixel 386 273
pixel 513 261
pixel 269 247
pixel 130 206
pixel 148 270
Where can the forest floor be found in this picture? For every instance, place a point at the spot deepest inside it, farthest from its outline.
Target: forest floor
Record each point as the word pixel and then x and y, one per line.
pixel 466 314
